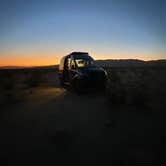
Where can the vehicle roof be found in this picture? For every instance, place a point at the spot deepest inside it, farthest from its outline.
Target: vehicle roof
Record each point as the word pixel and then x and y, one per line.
pixel 78 53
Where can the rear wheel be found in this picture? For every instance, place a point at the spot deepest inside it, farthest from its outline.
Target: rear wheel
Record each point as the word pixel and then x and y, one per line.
pixel 61 82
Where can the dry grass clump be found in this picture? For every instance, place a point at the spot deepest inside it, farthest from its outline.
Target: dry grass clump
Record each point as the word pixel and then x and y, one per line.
pixel 135 86
pixel 15 82
pixel 34 79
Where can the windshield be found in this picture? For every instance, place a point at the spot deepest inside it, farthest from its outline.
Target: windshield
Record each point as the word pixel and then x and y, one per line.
pixel 84 61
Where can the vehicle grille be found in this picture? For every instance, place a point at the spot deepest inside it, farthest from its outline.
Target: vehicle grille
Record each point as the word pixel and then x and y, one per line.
pixel 96 75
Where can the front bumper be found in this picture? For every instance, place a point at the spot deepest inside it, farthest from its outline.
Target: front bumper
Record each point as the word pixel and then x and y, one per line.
pixel 93 81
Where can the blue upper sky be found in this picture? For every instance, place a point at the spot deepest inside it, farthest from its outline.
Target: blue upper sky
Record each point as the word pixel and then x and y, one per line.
pixel 105 28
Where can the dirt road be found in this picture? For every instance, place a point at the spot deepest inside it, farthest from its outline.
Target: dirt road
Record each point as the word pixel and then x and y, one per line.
pixel 53 125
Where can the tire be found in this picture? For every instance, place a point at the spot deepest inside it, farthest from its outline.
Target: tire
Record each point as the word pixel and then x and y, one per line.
pixel 77 87
pixel 103 87
pixel 61 82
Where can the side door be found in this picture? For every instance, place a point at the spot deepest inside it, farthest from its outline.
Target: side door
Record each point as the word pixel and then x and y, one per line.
pixel 72 70
pixel 67 70
pixel 61 68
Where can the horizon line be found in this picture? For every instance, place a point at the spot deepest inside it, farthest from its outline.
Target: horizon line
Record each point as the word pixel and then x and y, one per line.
pixel 26 66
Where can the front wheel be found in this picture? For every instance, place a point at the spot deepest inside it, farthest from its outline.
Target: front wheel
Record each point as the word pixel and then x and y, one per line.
pixel 103 87
pixel 77 86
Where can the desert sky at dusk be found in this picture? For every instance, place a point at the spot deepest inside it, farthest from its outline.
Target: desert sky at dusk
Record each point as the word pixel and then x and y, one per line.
pixel 40 32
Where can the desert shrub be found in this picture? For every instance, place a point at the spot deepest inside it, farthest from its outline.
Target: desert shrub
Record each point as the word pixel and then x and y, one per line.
pixel 34 80
pixel 127 87
pixel 7 82
pixel 10 97
pixel 137 96
pixel 116 95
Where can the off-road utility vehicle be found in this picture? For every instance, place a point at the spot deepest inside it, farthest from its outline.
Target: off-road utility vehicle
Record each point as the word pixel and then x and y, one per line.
pixel 78 70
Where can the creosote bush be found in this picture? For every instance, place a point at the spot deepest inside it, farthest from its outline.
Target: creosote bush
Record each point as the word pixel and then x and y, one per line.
pixel 127 86
pixel 34 80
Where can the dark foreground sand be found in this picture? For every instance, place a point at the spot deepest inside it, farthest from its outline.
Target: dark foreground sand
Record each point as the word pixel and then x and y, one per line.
pixel 55 127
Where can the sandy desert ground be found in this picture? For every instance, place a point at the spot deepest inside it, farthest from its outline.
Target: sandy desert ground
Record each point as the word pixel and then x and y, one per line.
pixel 45 124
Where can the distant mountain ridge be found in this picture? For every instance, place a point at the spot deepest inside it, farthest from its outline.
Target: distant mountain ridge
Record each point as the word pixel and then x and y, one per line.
pixel 29 67
pixel 104 63
pixel 129 63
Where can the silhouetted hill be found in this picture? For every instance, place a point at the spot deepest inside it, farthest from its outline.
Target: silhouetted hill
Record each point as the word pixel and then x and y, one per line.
pixel 103 63
pixel 29 67
pixel 129 63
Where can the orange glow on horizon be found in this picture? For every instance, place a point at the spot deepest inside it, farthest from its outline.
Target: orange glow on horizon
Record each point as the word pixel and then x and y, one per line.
pixel 44 59
pixel 28 59
pixel 29 62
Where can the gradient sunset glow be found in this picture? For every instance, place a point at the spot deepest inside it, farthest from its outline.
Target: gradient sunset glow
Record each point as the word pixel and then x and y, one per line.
pixel 40 32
